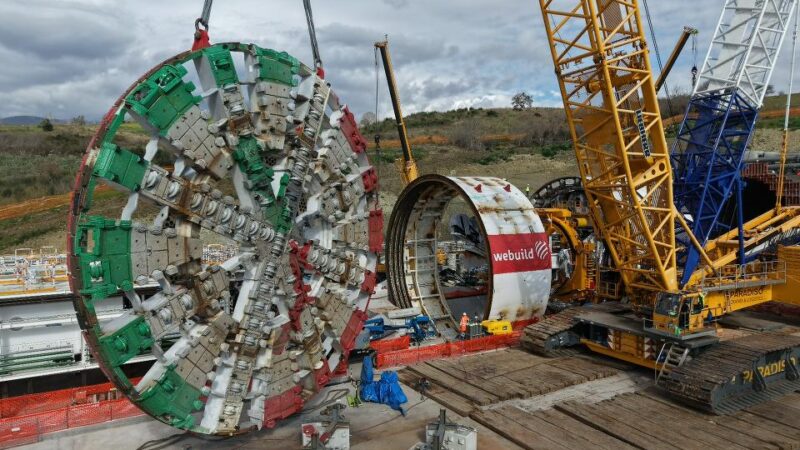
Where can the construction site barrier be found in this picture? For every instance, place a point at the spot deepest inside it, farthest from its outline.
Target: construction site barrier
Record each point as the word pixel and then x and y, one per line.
pixel 54 400
pixel 28 429
pixel 760 171
pixel 446 350
pixel 24 419
pixel 404 357
pixel 390 345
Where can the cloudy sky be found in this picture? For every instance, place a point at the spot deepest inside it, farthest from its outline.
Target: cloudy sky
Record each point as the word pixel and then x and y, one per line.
pixel 70 57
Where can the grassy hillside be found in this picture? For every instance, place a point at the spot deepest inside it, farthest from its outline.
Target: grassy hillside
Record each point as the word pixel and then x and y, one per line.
pixel 34 163
pixel 526 147
pixel 477 143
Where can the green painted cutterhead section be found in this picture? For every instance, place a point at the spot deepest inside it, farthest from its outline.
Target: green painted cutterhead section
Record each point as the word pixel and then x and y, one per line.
pixel 221 62
pixel 103 249
pixel 163 97
pixel 172 399
pixel 277 67
pixel 120 166
pixel 123 344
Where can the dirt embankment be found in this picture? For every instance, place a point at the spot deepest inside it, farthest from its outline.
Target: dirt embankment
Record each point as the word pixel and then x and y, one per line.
pixel 530 147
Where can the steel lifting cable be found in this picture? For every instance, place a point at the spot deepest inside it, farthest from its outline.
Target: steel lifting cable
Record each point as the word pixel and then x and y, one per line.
pixel 658 55
pixel 694 60
pixel 312 34
pixel 791 72
pixel 377 130
pixel 204 16
pixel 201 38
pixel 785 140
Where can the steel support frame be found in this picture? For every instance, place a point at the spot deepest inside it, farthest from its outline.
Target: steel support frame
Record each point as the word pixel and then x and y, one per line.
pixel 745 47
pixel 707 157
pixel 718 124
pixel 602 64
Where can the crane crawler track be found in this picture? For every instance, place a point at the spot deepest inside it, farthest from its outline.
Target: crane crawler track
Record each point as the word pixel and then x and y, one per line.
pixel 738 373
pixel 553 333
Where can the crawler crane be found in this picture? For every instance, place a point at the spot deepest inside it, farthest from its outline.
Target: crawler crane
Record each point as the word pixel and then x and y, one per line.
pixel 607 85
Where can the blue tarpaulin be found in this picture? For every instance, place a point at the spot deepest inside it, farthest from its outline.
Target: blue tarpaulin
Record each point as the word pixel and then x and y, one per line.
pixel 386 390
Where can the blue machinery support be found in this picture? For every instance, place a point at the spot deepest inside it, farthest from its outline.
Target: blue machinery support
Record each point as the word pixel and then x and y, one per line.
pixel 707 162
pixel 718 125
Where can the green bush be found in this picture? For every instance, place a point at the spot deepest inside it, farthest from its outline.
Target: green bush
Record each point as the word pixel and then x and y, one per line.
pixel 495 156
pixel 46 125
pixel 550 151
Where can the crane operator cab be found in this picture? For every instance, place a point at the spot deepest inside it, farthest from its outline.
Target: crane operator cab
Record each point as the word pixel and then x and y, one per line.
pixel 682 316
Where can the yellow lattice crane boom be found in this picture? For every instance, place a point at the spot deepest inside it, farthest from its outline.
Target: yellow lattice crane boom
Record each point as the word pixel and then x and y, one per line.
pixel 603 70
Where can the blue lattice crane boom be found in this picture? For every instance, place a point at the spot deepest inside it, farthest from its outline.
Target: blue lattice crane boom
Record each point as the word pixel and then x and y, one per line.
pixel 719 121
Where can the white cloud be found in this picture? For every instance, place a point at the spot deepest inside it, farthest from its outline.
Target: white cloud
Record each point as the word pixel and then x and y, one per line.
pixel 76 56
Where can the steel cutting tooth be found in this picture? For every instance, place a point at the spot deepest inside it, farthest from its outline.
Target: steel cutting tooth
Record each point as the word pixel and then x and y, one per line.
pixel 258 157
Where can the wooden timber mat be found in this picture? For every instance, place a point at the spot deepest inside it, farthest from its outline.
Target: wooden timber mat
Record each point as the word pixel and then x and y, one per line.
pixel 468 382
pixel 646 419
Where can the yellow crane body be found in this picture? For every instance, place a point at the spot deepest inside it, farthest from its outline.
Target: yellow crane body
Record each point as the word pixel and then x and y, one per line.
pixel 602 66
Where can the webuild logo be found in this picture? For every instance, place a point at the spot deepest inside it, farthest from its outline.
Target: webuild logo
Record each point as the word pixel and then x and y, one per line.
pixel 519 252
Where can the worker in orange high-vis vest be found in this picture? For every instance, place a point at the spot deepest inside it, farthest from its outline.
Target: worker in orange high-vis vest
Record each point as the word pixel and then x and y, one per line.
pixel 464 323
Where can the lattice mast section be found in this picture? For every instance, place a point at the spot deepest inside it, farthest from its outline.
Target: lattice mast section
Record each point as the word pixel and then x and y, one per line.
pixel 606 82
pixel 744 51
pixel 722 113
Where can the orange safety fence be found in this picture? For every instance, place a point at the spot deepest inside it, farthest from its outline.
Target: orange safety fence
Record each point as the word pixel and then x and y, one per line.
pixel 760 171
pixel 449 349
pixel 40 204
pixel 48 401
pixel 446 350
pixel 771 114
pixel 46 203
pixel 24 419
pixel 388 345
pixel 15 431
pixel 436 139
